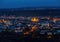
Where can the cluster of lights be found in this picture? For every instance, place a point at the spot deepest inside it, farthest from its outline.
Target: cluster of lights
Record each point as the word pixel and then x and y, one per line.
pixel 34 19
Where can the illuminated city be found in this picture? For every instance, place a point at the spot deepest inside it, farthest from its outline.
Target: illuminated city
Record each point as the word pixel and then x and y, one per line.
pixel 29 25
pixel 29 20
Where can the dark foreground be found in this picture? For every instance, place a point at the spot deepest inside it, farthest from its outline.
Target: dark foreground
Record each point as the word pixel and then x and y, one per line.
pixel 13 37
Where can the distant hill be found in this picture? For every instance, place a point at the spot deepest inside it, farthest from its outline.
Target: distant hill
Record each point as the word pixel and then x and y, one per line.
pixel 31 11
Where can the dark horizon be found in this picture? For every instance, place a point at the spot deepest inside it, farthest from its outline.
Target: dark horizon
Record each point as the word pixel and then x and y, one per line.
pixel 31 11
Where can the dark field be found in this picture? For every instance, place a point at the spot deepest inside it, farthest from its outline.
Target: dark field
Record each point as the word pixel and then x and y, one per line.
pixel 13 37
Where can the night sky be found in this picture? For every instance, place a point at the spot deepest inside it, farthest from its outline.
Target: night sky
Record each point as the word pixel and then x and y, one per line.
pixel 29 3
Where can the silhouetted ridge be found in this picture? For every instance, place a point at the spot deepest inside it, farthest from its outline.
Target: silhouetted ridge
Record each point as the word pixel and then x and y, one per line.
pixel 31 12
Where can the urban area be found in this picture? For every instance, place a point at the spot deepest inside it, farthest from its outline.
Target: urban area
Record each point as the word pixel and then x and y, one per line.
pixel 35 27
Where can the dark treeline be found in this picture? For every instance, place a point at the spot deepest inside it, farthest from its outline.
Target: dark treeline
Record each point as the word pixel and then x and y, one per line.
pixel 38 12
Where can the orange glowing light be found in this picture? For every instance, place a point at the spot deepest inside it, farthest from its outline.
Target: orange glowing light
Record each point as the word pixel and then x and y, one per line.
pixel 55 19
pixel 34 19
pixel 26 33
pixel 0 20
pixel 34 28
